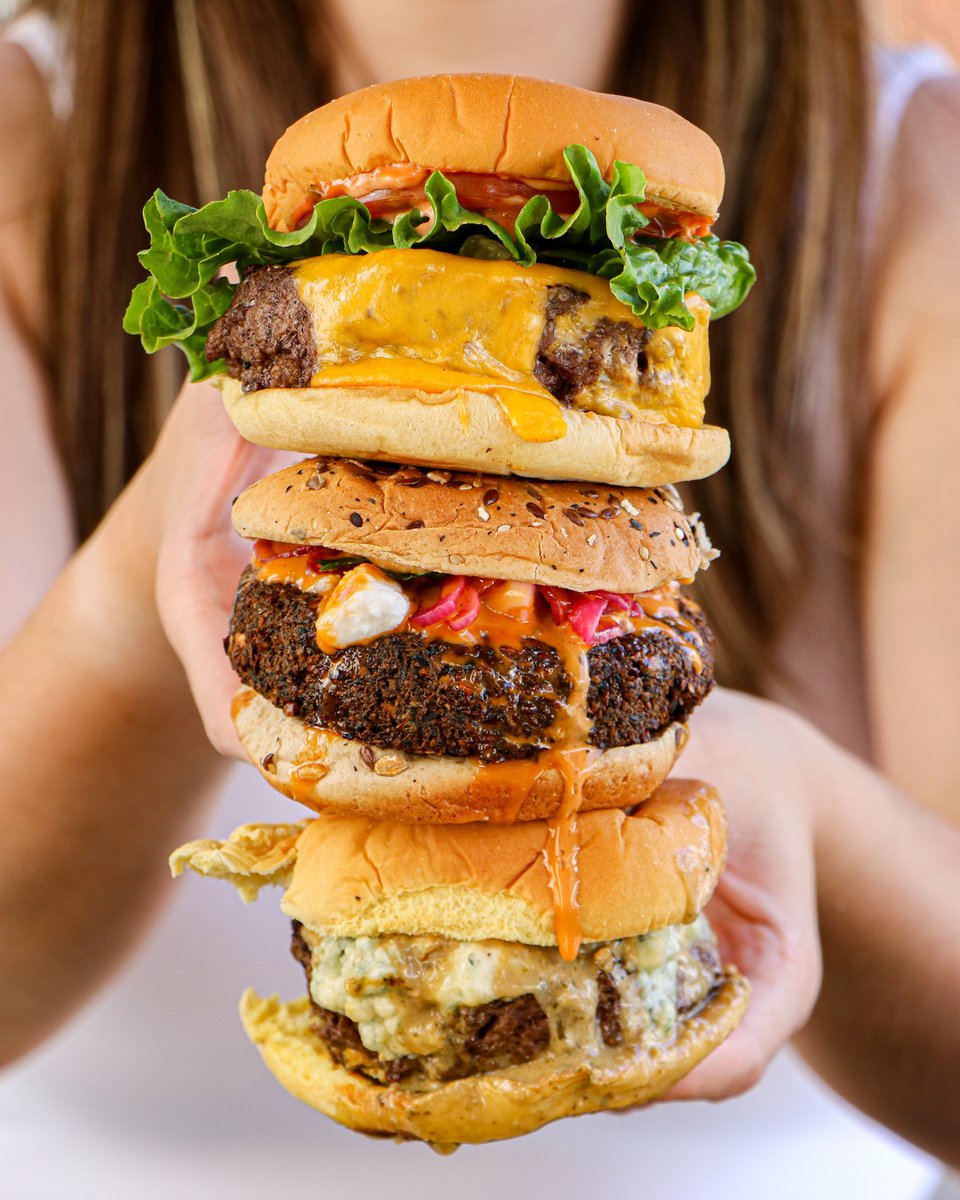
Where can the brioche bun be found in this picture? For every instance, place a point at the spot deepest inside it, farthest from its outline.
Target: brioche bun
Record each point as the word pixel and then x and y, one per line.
pixel 413 519
pixel 640 869
pixel 491 1106
pixel 490 124
pixel 397 424
pixel 325 771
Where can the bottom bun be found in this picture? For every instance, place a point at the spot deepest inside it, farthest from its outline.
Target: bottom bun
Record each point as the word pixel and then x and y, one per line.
pixel 465 430
pixel 326 771
pixel 486 1107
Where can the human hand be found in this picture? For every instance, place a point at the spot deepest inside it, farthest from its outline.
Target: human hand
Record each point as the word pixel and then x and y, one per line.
pixel 760 757
pixel 177 516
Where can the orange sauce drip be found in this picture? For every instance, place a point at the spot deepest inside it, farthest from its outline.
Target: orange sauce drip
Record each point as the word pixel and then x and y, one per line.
pixel 572 756
pixel 295 570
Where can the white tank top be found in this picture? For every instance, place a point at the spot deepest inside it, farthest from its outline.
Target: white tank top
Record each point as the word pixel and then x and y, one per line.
pixel 153 1091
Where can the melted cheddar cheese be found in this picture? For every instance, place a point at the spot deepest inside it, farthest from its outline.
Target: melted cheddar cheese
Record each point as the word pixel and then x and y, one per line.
pixel 439 322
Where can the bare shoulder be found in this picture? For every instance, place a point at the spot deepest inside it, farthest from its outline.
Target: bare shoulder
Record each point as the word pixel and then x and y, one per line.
pixel 31 476
pixel 27 141
pixel 929 145
pixel 913 501
pixel 26 126
pixel 917 297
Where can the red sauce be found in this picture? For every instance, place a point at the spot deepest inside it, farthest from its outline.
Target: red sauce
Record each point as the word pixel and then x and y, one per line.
pixel 399 188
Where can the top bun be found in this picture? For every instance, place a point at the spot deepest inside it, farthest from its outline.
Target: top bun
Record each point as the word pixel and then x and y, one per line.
pixel 409 518
pixel 504 125
pixel 640 870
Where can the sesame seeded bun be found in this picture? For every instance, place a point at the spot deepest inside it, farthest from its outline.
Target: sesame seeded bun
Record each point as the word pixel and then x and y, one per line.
pixel 503 125
pixel 328 772
pixel 493 1105
pixel 413 519
pixel 400 424
pixel 641 869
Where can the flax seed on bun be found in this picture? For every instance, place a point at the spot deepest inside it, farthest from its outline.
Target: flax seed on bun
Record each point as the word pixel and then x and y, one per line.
pixel 578 536
pixel 328 772
pixel 502 125
pixel 403 424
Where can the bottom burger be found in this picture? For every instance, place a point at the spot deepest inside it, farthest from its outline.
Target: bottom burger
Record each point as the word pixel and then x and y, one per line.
pixel 439 1007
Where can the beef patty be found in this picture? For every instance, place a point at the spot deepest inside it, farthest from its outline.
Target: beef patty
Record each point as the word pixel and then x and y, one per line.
pixel 408 692
pixel 266 335
pixel 505 1033
pixel 266 340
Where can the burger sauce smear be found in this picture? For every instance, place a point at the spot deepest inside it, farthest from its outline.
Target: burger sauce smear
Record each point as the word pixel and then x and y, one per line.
pixel 396 188
pixel 570 755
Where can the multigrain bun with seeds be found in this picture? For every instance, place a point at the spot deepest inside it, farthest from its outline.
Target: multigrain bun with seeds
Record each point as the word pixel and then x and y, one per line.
pixel 575 536
pixel 328 772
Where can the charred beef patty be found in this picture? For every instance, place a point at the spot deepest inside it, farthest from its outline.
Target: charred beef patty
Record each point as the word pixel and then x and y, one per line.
pixel 567 365
pixel 636 990
pixel 266 335
pixel 266 339
pixel 406 692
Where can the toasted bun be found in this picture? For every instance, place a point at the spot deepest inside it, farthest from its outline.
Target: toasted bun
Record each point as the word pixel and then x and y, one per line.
pixel 491 124
pixel 325 771
pixel 640 869
pixel 468 431
pixel 253 857
pixel 487 1107
pixel 413 519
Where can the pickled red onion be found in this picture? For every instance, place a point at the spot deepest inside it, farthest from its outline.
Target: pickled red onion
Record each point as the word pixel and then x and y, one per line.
pixel 445 606
pixel 467 610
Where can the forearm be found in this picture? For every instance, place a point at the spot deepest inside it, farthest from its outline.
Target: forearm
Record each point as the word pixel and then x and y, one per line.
pixel 884 1032
pixel 106 763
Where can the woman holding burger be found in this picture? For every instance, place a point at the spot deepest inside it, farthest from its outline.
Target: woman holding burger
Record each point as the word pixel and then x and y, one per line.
pixel 835 520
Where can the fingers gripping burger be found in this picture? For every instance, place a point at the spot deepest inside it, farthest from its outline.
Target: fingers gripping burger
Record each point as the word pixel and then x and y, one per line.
pixel 438 1005
pixel 479 272
pixel 423 645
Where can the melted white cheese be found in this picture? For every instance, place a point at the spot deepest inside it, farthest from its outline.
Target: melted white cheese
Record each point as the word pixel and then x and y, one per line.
pixel 365 604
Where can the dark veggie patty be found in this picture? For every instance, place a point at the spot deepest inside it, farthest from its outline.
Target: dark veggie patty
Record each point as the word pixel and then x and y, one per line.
pixel 408 692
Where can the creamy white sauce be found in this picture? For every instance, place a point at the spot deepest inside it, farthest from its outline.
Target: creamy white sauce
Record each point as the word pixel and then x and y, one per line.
pixel 365 604
pixel 400 990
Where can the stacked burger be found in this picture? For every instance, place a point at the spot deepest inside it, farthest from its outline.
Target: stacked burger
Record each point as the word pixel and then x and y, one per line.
pixel 480 303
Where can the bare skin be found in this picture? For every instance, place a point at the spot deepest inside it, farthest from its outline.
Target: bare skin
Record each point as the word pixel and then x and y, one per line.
pixel 153 587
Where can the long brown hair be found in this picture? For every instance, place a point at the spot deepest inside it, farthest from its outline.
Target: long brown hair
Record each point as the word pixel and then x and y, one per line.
pixel 190 96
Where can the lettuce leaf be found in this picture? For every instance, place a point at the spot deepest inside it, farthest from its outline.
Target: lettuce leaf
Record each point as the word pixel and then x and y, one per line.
pixel 188 248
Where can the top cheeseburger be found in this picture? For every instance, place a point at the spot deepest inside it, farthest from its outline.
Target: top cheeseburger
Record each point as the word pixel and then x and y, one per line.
pixel 475 271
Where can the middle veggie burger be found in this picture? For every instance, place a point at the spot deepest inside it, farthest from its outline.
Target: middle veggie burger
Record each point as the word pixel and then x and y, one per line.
pixel 424 645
